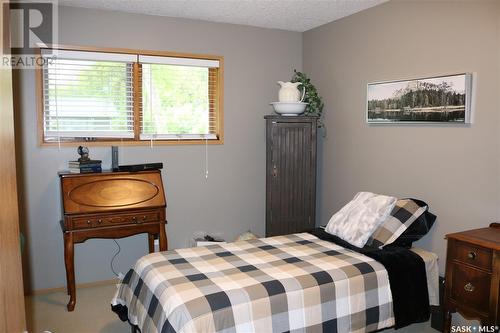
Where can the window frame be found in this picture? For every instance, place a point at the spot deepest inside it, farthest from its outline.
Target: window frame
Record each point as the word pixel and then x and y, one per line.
pixel 137 112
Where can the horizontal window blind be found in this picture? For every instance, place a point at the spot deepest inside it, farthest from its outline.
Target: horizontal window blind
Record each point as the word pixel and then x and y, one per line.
pixel 179 136
pixel 89 55
pixel 88 94
pixel 178 98
pixel 194 62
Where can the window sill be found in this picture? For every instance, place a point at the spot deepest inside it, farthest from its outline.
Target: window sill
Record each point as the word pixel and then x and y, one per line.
pixel 110 143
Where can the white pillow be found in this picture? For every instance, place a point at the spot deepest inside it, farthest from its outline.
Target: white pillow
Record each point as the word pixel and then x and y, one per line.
pixel 248 235
pixel 357 220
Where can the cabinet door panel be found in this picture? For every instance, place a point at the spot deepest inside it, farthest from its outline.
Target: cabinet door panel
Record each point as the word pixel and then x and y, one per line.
pixel 291 181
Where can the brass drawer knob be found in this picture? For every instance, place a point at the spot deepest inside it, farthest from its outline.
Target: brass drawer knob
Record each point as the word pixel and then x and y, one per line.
pixel 89 222
pixel 469 287
pixel 472 255
pixel 99 221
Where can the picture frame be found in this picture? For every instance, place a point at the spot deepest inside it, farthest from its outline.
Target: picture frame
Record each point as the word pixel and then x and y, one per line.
pixel 444 99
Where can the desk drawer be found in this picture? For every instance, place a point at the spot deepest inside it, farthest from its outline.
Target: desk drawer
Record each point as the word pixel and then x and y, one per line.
pixel 83 222
pixel 130 218
pixel 97 221
pixel 473 255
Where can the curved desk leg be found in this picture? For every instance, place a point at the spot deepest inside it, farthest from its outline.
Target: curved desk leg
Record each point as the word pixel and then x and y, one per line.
pixel 163 238
pixel 151 243
pixel 69 247
pixel 66 268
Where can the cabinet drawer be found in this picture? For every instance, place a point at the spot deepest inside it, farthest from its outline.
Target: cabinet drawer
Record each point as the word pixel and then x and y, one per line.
pixel 86 222
pixel 473 255
pixel 471 287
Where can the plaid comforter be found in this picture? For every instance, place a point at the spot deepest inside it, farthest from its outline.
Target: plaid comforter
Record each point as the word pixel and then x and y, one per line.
pixel 285 283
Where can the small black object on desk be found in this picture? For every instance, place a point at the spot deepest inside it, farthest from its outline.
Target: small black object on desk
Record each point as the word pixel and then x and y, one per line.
pixel 140 167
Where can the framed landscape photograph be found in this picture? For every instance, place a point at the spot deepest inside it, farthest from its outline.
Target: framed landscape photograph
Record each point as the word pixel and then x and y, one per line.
pixel 441 99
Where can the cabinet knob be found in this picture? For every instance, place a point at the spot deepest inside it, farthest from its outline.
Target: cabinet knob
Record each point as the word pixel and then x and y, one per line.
pixel 89 222
pixel 144 218
pixel 472 255
pixel 99 221
pixel 469 287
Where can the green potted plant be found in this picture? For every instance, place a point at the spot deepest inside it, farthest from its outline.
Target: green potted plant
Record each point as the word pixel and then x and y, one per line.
pixel 315 102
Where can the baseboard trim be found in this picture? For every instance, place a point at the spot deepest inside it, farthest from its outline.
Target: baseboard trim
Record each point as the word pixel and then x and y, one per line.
pixel 78 286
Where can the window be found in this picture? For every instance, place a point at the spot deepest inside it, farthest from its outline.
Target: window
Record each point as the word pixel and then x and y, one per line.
pixel 88 95
pixel 178 99
pixel 131 97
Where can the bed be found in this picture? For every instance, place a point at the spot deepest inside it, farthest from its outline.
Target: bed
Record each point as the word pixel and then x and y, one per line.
pixel 310 281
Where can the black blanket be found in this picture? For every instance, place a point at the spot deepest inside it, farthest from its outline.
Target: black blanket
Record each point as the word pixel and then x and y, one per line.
pixel 407 278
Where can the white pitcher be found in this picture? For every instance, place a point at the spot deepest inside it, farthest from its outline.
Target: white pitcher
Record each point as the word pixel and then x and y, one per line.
pixel 289 93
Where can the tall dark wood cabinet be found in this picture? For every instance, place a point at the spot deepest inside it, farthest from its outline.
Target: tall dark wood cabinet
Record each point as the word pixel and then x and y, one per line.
pixel 291 174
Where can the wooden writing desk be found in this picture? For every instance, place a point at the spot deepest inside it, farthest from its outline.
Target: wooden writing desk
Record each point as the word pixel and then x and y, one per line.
pixel 110 205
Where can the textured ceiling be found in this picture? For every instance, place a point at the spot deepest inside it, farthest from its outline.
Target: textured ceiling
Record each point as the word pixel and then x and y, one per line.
pixel 295 15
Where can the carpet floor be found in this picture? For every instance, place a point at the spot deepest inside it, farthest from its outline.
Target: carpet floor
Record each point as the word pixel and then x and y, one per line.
pixel 47 314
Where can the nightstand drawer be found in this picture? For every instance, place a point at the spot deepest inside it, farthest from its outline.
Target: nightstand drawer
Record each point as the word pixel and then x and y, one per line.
pixel 473 255
pixel 471 287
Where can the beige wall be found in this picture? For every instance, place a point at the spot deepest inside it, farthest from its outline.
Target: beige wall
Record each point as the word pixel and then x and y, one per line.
pixel 454 168
pixel 230 202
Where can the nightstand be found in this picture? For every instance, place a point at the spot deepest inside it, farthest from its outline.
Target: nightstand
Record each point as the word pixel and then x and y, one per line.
pixel 473 275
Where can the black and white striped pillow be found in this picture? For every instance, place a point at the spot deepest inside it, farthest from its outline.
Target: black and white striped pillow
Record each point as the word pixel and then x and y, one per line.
pixel 404 213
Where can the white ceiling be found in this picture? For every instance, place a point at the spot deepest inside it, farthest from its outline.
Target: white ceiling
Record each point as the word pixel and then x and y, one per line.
pixel 294 15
